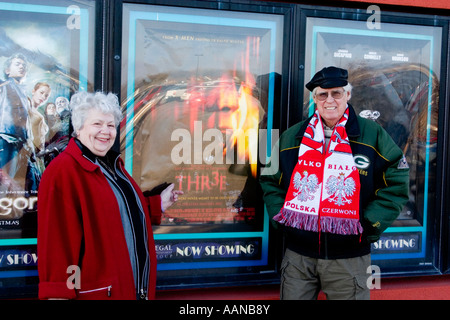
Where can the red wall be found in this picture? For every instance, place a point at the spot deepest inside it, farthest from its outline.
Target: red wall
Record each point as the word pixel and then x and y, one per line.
pixel 440 4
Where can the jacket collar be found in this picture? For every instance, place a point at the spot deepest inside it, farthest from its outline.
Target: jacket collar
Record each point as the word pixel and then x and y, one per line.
pixel 352 126
pixel 84 157
pixel 75 152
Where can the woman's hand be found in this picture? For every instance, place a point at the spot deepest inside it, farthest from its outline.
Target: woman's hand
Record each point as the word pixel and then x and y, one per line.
pixel 169 196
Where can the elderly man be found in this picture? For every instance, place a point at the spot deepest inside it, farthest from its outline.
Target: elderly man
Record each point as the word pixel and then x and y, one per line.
pixel 341 182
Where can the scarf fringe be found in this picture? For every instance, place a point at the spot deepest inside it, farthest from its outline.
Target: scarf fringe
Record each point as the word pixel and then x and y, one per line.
pixel 309 222
pixel 297 220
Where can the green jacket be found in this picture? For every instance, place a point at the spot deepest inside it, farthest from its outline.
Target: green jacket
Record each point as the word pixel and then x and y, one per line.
pixel 384 176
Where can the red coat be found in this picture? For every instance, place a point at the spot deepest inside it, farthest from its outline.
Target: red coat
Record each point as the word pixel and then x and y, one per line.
pixel 79 224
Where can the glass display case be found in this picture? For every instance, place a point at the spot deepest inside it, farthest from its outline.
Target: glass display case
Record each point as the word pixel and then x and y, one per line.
pixel 198 93
pixel 206 89
pixel 46 53
pixel 395 74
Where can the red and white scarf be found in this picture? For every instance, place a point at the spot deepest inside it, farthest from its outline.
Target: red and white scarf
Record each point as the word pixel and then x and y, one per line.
pixel 323 195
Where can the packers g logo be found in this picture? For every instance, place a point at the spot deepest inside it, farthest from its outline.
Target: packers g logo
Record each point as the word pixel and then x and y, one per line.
pixel 361 162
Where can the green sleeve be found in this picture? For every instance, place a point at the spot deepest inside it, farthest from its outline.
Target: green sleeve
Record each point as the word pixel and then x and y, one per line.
pixel 273 193
pixel 389 199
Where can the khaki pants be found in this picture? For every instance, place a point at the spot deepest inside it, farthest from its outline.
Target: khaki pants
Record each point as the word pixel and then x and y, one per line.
pixel 302 278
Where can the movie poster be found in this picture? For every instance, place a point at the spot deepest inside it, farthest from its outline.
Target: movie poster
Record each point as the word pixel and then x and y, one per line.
pixel 43 56
pixel 395 77
pixel 199 104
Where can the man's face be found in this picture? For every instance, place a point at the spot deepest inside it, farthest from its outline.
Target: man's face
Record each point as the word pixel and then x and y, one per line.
pixel 61 104
pixel 331 104
pixel 17 69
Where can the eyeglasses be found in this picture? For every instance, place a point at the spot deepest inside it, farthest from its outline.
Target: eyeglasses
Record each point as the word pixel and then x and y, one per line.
pixel 337 94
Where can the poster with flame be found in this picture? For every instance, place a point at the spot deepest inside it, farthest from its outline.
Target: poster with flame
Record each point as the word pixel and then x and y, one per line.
pixel 198 90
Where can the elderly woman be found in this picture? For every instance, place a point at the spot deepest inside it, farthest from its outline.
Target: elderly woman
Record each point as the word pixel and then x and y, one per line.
pixel 94 227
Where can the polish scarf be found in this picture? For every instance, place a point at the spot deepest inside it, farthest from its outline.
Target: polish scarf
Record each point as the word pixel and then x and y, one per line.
pixel 323 194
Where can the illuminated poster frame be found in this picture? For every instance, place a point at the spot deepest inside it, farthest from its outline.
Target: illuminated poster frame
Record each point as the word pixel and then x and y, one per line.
pixel 65 73
pixel 414 238
pixel 172 246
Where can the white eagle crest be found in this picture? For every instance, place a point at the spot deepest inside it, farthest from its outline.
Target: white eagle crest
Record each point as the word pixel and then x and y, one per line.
pixel 340 188
pixel 305 186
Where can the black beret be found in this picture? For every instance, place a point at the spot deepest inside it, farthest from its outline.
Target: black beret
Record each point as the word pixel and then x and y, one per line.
pixel 329 77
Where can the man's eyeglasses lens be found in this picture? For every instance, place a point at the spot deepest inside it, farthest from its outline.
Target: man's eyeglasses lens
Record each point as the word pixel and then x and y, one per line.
pixel 334 94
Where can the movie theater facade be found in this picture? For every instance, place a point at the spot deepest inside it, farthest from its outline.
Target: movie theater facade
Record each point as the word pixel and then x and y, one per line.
pixel 206 89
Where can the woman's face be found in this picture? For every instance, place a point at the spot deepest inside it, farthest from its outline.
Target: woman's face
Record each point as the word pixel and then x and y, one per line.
pixel 40 95
pixel 51 109
pixel 98 132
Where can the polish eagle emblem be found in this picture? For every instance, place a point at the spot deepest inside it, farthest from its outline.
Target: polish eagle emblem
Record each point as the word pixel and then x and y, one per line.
pixel 340 188
pixel 306 185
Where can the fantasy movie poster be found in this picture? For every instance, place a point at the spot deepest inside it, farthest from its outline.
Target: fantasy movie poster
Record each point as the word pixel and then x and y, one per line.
pixel 198 109
pixel 42 65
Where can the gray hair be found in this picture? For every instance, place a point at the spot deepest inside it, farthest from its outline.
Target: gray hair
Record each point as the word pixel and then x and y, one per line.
pixel 81 102
pixel 347 88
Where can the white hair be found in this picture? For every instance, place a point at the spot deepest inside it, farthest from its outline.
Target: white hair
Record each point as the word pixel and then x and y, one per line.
pixel 347 88
pixel 81 102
